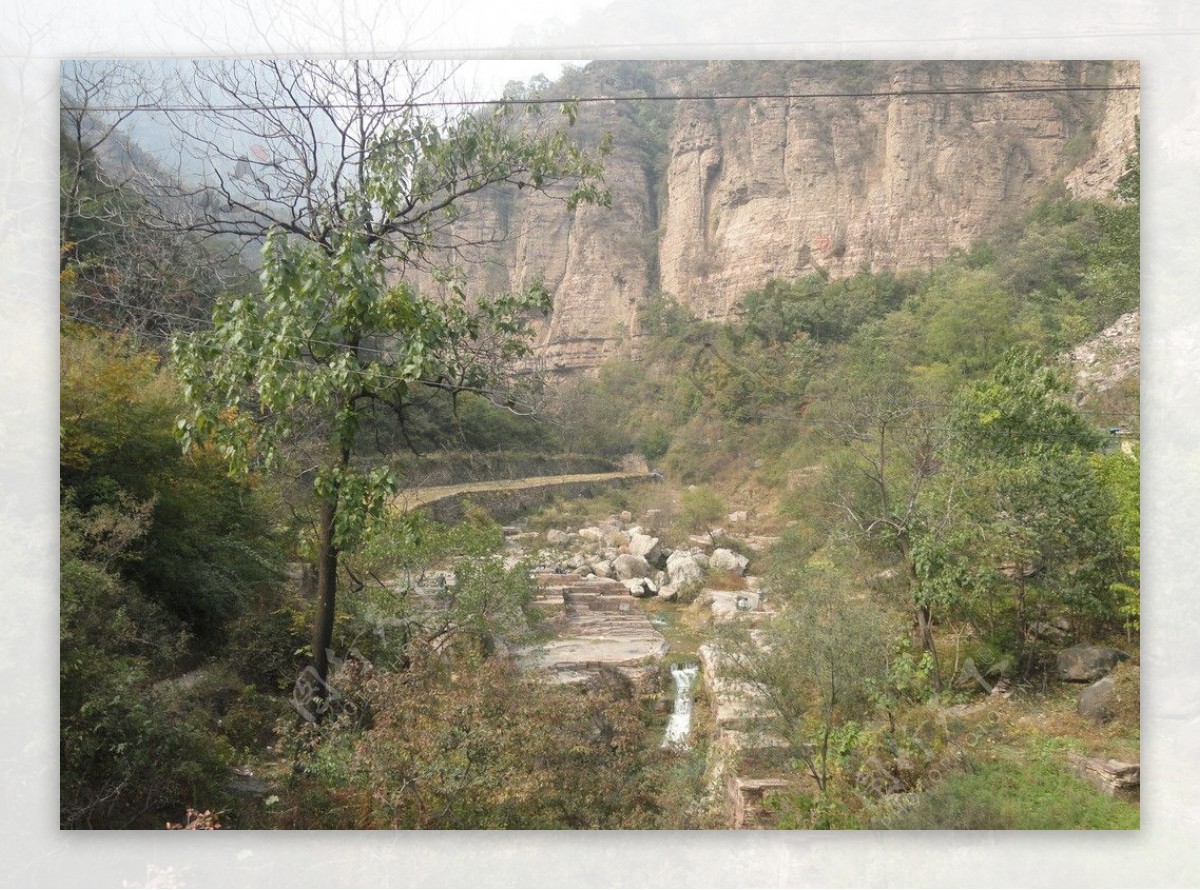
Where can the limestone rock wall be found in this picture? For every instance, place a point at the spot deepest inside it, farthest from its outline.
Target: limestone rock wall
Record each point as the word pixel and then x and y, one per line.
pixel 751 189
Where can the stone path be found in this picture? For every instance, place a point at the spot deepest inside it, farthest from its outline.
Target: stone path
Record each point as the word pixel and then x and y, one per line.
pixel 416 498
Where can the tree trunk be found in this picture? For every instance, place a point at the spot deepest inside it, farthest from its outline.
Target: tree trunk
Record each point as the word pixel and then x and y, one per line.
pixel 327 560
pixel 925 628
pixel 1020 605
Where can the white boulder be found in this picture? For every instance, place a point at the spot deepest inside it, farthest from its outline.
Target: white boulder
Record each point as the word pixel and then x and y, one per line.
pixel 724 560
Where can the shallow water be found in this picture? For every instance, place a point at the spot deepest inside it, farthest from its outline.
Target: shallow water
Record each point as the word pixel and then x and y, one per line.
pixel 679 727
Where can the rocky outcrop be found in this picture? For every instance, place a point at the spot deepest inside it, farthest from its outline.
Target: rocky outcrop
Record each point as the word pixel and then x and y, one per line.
pixel 1107 360
pixel 736 192
pixel 1113 138
pixel 1086 664
pixel 1112 777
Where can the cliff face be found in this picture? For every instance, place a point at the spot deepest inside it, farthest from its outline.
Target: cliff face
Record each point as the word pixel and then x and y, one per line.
pixel 737 192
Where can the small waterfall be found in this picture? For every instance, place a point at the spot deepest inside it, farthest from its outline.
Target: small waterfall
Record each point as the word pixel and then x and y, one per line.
pixel 680 724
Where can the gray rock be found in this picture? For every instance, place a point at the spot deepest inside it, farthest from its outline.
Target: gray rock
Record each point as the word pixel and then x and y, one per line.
pixel 1004 666
pixel 616 538
pixel 668 593
pixel 701 559
pixel 603 569
pixel 629 566
pixel 684 569
pixel 1043 630
pixel 1113 777
pixel 642 588
pixel 724 560
pixel 646 547
pixel 1086 664
pixel 591 533
pixel 626 516
pixel 557 537
pixel 1095 702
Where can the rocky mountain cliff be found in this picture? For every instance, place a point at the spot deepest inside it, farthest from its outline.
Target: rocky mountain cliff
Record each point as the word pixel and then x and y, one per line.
pixel 711 198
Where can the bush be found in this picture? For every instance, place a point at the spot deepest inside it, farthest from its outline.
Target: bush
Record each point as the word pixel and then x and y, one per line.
pixel 701 507
pixel 1008 793
pixel 470 743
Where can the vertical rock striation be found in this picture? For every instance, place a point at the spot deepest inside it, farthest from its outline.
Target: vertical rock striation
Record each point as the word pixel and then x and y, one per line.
pixel 747 190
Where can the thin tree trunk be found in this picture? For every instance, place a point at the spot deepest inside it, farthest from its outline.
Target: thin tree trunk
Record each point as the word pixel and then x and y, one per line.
pixel 1020 604
pixel 924 618
pixel 327 560
pixel 925 627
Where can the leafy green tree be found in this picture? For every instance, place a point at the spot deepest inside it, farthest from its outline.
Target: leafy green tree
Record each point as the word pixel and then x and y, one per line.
pixel 816 666
pixel 1020 525
pixel 887 441
pixel 974 323
pixel 339 328
pixel 1120 474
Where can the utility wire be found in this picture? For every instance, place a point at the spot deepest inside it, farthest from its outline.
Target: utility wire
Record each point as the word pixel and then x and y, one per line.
pixel 585 100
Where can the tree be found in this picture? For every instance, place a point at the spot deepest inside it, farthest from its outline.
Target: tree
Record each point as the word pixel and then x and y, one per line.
pixel 339 329
pixel 816 665
pixel 891 440
pixel 1026 522
pixel 121 270
pixel 1119 472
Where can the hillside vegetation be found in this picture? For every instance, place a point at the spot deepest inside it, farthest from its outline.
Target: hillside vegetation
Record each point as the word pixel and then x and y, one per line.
pixel 897 457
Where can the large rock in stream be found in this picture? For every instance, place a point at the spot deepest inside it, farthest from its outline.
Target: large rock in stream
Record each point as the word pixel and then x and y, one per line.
pixel 646 547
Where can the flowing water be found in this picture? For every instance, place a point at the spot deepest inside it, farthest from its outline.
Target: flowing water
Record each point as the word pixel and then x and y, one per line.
pixel 680 724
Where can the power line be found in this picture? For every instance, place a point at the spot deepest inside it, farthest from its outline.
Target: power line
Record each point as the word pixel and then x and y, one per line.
pixel 585 100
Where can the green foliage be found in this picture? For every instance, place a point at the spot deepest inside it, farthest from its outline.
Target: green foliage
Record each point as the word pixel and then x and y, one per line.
pixel 1017 412
pixel 701 507
pixel 1119 473
pixel 122 764
pixel 207 544
pixel 816 668
pixel 1020 524
pixel 392 616
pixel 972 321
pixel 827 311
pixel 161 554
pixel 1015 794
pixel 654 442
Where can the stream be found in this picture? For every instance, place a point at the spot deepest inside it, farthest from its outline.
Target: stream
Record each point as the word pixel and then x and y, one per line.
pixel 680 724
